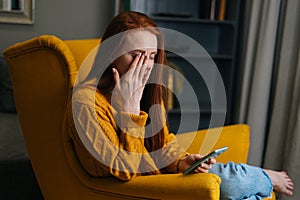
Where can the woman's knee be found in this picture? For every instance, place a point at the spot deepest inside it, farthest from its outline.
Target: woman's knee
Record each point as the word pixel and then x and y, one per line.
pixel 241 180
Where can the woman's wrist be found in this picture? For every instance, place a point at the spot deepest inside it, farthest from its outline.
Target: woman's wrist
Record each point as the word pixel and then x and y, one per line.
pixel 179 164
pixel 131 109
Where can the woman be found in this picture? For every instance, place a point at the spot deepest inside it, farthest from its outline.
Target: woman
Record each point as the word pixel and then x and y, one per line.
pixel 119 129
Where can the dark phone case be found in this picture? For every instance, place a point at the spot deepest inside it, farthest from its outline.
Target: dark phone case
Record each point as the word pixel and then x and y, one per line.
pixel 215 153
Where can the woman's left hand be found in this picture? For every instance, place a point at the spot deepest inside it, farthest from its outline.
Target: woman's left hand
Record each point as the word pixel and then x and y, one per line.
pixel 189 160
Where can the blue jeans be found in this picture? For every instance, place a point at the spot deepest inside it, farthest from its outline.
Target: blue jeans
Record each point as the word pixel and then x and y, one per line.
pixel 241 181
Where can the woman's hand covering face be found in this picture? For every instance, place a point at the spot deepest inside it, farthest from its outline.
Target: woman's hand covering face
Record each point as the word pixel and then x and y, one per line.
pixel 129 87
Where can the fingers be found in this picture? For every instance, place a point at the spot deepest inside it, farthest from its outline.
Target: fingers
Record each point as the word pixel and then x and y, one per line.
pixel 143 69
pixel 202 168
pixel 205 166
pixel 136 76
pixel 136 68
pixel 146 74
pixel 212 161
pixel 140 68
pixel 142 65
pixel 135 62
pixel 116 75
pixel 141 60
pixel 136 65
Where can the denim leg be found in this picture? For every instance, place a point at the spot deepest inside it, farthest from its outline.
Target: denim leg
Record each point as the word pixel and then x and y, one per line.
pixel 242 181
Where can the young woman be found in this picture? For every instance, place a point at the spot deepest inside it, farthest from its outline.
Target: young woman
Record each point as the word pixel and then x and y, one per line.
pixel 119 129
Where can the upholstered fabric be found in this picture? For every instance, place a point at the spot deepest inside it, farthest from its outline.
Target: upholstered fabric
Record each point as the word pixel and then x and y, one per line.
pixel 43 71
pixel 234 136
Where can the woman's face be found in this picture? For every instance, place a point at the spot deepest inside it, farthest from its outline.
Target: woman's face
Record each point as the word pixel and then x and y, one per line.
pixel 135 43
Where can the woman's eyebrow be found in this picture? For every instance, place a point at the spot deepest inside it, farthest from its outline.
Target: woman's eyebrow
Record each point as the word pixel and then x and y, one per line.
pixel 142 51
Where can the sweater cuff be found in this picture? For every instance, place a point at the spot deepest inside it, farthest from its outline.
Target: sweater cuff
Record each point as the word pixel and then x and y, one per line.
pixel 133 124
pixel 133 121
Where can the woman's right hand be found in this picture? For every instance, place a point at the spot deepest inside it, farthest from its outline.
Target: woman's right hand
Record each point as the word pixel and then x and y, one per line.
pixel 189 160
pixel 129 87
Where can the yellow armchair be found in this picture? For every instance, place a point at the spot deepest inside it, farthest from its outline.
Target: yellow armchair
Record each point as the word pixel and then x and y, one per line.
pixel 43 71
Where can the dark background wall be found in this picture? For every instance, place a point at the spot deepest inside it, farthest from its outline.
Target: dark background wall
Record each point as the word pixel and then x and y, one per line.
pixel 67 19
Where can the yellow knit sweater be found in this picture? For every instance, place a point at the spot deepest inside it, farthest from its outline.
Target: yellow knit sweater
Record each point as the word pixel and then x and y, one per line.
pixel 104 149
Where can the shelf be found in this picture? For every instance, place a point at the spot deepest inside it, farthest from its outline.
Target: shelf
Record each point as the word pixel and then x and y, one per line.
pixel 193 112
pixel 190 55
pixel 219 40
pixel 221 57
pixel 216 40
pixel 194 20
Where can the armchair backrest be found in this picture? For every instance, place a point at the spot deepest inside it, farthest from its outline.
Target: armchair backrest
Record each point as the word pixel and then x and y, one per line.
pixel 43 71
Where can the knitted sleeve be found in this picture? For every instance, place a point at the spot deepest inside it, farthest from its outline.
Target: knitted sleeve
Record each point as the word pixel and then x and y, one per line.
pixel 172 151
pixel 116 151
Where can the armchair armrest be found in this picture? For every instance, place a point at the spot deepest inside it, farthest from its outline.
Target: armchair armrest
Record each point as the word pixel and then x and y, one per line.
pixel 166 186
pixel 236 137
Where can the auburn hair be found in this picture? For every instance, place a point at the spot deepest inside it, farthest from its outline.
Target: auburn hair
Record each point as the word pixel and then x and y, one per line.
pixel 153 93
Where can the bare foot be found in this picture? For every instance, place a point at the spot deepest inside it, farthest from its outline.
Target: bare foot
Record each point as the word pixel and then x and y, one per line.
pixel 281 181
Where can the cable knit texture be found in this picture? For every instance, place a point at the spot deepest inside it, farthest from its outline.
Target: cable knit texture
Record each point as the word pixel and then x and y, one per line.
pixel 109 149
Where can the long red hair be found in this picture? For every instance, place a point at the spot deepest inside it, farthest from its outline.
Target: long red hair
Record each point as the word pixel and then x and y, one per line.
pixel 153 93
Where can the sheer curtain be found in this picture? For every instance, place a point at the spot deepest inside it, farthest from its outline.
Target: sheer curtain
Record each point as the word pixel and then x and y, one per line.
pixel 283 143
pixel 259 46
pixel 269 94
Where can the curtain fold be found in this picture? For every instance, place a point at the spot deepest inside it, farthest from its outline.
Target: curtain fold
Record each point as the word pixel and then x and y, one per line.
pixel 256 79
pixel 283 144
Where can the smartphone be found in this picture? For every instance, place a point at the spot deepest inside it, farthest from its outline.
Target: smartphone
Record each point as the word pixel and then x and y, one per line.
pixel 206 158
